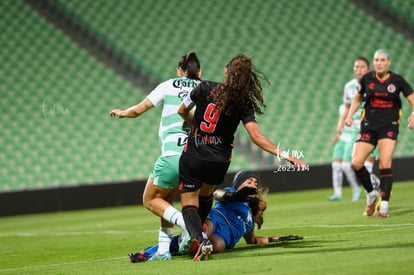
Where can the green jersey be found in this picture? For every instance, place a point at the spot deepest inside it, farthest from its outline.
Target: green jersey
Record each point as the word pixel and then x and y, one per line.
pixel 171 93
pixel 350 91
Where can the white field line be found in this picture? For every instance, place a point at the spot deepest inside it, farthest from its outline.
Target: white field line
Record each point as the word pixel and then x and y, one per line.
pixel 343 225
pixel 115 232
pixel 375 228
pixel 59 234
pixel 17 269
pixel 383 229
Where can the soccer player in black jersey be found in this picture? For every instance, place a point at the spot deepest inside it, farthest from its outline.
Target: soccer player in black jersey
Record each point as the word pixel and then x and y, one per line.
pixel 204 162
pixel 379 126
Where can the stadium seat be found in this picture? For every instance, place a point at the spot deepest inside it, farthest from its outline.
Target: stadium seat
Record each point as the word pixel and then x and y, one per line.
pixel 56 96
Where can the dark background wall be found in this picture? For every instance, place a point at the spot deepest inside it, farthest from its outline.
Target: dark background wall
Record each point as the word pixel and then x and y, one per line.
pixel 129 193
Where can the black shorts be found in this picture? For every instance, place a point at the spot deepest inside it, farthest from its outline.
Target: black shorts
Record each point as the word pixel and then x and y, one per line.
pixel 372 136
pixel 193 172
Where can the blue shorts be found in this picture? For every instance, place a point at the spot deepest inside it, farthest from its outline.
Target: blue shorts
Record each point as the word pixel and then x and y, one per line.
pixel 221 228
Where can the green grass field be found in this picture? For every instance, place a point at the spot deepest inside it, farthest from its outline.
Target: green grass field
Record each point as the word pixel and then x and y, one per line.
pixel 338 239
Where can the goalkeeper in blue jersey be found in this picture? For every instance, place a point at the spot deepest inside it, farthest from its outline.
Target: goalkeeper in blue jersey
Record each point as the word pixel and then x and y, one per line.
pixel 236 211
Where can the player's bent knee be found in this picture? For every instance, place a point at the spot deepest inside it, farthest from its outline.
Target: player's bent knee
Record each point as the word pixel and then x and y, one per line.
pixel 218 244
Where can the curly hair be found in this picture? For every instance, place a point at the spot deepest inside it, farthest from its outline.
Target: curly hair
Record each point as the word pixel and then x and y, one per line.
pixel 241 92
pixel 258 204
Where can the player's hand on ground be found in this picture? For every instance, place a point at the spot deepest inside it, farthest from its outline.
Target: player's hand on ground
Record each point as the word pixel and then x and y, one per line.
pixel 116 112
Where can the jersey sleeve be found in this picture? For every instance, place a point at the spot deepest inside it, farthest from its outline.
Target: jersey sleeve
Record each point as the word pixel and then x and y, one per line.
pixel 157 95
pixel 406 87
pixel 248 118
pixel 188 100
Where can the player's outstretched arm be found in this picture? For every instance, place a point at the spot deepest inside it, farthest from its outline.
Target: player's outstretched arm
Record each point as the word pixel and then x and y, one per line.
pixel 263 142
pixel 241 195
pixel 133 111
pixel 410 119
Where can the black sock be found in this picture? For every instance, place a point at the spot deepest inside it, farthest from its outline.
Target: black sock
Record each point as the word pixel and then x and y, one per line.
pixel 364 178
pixel 193 222
pixel 387 179
pixel 204 206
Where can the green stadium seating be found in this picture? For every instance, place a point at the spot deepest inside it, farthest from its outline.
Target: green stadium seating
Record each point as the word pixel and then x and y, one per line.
pixel 56 97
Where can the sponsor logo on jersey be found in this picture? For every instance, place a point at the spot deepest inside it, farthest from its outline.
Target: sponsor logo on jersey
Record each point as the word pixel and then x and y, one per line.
pixel 183 94
pixel 184 83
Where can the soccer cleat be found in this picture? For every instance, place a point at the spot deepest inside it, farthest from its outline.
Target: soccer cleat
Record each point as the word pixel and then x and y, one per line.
pixel 185 242
pixel 204 249
pixel 335 198
pixel 371 203
pixel 137 257
pixel 161 257
pixel 193 247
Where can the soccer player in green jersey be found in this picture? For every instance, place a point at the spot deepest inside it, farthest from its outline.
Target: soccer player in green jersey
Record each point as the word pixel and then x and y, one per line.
pixel 162 185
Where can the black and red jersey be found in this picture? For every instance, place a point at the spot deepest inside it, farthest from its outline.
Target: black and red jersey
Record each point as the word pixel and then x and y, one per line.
pixel 382 99
pixel 212 134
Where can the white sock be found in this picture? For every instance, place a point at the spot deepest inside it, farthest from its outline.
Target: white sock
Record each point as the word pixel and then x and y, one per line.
pixel 174 216
pixel 350 176
pixel 384 207
pixel 371 196
pixel 369 165
pixel 337 178
pixel 164 239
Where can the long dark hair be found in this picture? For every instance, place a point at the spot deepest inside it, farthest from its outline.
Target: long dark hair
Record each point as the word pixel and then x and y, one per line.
pixel 241 92
pixel 363 59
pixel 191 65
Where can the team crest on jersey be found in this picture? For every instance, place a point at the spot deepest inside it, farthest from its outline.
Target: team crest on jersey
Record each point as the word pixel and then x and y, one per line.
pixel 371 86
pixel 391 88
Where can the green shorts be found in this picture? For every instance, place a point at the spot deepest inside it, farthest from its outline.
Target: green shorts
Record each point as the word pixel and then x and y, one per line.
pixel 165 172
pixel 338 151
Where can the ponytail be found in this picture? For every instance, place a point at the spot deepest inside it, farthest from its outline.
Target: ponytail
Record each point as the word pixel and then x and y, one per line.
pixel 191 65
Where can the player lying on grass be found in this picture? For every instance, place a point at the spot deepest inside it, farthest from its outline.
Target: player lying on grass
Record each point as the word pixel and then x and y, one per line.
pixel 236 211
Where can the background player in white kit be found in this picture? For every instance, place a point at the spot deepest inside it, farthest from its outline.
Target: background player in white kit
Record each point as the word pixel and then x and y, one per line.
pixel 162 186
pixel 348 136
pixel 342 165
